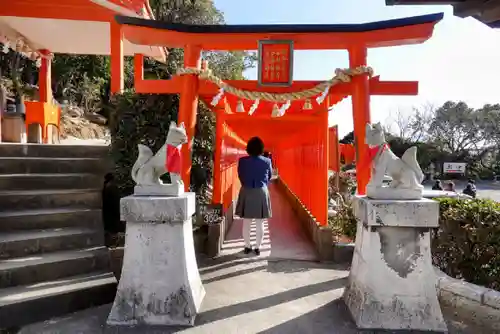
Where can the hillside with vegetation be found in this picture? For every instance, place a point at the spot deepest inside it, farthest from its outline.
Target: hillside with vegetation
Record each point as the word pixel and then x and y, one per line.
pixel 81 84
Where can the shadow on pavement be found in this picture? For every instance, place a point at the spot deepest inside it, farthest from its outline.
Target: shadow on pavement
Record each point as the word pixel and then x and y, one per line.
pixel 268 301
pixel 332 317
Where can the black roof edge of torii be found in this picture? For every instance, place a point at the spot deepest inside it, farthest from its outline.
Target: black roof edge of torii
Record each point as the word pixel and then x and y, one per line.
pixel 281 28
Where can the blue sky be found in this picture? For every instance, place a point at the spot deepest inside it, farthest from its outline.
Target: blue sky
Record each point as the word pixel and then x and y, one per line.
pixel 460 62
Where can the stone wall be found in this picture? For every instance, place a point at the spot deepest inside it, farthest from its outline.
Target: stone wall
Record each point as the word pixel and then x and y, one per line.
pixel 474 303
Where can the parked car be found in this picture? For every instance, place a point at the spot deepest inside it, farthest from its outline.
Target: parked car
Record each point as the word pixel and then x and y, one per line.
pixel 430 194
pixel 443 193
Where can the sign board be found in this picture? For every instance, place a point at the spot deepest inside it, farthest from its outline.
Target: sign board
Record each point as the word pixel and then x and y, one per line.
pixel 212 213
pixel 454 167
pixel 275 63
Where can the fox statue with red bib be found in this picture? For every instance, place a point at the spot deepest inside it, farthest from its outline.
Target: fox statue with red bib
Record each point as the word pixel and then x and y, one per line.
pixel 148 168
pixel 405 171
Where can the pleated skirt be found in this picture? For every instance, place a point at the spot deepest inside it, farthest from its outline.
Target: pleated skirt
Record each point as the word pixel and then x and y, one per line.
pixel 254 203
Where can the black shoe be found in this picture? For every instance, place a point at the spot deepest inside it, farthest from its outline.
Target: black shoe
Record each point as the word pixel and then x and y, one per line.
pixel 247 250
pixel 257 251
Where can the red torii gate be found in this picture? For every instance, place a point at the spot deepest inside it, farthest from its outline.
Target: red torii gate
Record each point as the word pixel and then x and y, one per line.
pixel 356 38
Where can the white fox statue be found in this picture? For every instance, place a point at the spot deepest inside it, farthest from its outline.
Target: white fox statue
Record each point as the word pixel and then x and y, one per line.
pixel 405 172
pixel 148 167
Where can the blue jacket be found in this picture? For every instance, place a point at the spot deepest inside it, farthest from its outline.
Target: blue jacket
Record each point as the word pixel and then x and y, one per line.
pixel 254 172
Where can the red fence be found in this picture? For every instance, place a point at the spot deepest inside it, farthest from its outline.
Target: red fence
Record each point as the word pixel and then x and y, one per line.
pixel 302 162
pixel 347 153
pixel 228 149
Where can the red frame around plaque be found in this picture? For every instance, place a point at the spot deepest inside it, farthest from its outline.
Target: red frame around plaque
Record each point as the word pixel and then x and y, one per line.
pixel 275 63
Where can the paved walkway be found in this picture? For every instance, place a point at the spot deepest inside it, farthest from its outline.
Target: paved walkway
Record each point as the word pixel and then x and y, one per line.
pixel 250 294
pixel 283 234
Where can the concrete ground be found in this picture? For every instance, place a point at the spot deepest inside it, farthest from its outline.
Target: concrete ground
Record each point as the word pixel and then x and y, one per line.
pixel 252 296
pixel 282 291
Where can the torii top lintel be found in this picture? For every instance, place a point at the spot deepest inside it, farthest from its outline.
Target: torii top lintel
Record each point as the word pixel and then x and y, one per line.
pixel 404 31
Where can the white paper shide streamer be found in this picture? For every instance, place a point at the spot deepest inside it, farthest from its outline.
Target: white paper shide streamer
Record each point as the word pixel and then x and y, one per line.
pixel 284 108
pixel 254 107
pixel 323 95
pixel 217 97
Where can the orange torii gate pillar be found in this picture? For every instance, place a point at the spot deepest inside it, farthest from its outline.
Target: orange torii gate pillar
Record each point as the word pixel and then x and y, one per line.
pixel 361 116
pixel 188 107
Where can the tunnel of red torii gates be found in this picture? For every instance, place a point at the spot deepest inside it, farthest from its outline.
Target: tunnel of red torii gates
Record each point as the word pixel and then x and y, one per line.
pixel 297 135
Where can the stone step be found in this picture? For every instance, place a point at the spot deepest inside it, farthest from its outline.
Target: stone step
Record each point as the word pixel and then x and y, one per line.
pixel 51 198
pixel 50 218
pixel 49 181
pixel 24 243
pixel 52 266
pixel 26 165
pixel 53 151
pixel 22 305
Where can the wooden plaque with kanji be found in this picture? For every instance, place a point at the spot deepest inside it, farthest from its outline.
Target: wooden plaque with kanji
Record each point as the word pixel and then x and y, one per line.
pixel 275 63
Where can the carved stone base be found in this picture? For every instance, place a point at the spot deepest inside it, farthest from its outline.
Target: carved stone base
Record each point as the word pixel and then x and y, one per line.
pixel 394 193
pixel 392 283
pixel 170 190
pixel 160 284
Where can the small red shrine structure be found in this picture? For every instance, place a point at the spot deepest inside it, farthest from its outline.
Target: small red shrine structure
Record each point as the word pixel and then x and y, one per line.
pixel 37 29
pixel 297 135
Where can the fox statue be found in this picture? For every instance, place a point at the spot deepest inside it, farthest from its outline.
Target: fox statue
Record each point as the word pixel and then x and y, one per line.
pixel 148 167
pixel 405 171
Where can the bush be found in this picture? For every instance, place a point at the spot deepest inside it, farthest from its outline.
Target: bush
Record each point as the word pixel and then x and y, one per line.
pixel 465 246
pixel 344 222
pixel 145 119
pixel 135 119
pixel 467 243
pixel 345 187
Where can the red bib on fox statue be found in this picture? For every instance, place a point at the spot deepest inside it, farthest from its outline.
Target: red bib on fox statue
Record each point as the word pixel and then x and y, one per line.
pixel 372 151
pixel 173 163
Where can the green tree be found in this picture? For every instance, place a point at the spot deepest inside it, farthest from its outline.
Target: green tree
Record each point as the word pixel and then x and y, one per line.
pixel 348 138
pixel 145 118
pixel 451 132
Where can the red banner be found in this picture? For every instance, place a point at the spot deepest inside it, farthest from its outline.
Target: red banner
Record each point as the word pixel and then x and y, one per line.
pixel 275 63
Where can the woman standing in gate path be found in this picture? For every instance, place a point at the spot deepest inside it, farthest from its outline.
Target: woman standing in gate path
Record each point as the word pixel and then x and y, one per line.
pixel 254 203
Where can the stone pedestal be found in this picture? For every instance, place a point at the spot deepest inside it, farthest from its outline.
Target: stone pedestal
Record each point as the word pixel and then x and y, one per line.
pixel 160 284
pixel 392 284
pixel 169 190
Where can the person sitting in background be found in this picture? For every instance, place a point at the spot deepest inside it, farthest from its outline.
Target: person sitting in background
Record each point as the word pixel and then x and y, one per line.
pixel 450 186
pixel 470 191
pixel 472 184
pixel 437 185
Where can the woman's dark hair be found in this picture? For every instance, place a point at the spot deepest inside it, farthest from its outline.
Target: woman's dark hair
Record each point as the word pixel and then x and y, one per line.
pixel 255 147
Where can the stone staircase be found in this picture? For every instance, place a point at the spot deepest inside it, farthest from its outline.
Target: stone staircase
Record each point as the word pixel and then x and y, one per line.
pixel 52 255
